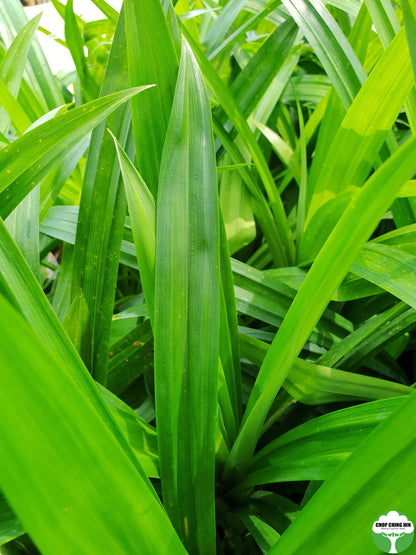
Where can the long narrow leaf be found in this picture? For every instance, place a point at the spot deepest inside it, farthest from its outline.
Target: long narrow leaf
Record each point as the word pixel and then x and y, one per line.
pixel 285 240
pixel 47 144
pixel 331 46
pixel 360 490
pixel 366 124
pixel 324 277
pixel 152 59
pixel 57 437
pixel 142 212
pixel 187 312
pixel 101 217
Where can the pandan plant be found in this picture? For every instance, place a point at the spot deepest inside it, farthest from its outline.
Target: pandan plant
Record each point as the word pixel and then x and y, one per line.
pixel 207 278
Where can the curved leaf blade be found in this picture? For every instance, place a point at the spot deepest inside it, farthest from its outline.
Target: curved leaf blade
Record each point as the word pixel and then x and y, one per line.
pixel 58 436
pixel 24 162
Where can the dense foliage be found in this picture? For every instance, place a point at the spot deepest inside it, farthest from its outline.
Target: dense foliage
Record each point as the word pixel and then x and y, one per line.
pixel 207 278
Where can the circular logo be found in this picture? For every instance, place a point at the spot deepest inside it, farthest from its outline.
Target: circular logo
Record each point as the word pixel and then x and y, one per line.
pixel 393 532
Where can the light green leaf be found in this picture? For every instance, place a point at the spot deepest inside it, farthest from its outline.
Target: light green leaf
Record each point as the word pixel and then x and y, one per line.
pixel 142 212
pixel 75 44
pixel 237 212
pixel 331 46
pixel 107 10
pixel 13 64
pixel 409 15
pixel 76 320
pixel 390 268
pixel 366 124
pixel 42 85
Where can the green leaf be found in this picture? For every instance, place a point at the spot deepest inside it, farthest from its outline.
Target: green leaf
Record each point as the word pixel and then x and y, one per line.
pixel 314 384
pixel 101 217
pixel 21 289
pixel 10 527
pixel 76 320
pixel 259 204
pixel 130 357
pixel 260 14
pixel 253 81
pixel 24 162
pixel 142 212
pixel 285 245
pixel 187 312
pixel 366 124
pixel 362 488
pixel 237 212
pixel 52 185
pixel 152 59
pixel 42 83
pixel 142 436
pixel 75 44
pixel 409 15
pixel 13 64
pixel 107 10
pixel 229 343
pixel 324 277
pixel 330 45
pixel 384 19
pixel 390 268
pixel 370 337
pixel 14 110
pixel 316 449
pixel 221 25
pixel 59 437
pixel 263 533
pixel 261 296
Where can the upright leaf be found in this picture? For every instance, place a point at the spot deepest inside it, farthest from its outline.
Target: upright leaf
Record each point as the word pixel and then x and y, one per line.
pixel 187 312
pixel 409 14
pixel 364 129
pixel 46 88
pixel 142 212
pixel 330 45
pixel 13 64
pixel 152 59
pixel 76 46
pixel 285 246
pixel 101 217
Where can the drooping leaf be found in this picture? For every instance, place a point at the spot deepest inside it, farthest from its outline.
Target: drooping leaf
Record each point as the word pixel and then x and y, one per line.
pixel 316 449
pixel 45 145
